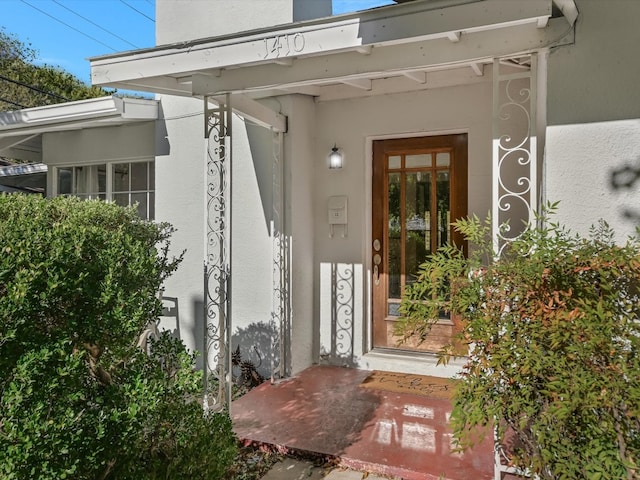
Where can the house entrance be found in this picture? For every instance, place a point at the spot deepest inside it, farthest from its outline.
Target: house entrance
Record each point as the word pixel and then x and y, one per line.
pixel 419 188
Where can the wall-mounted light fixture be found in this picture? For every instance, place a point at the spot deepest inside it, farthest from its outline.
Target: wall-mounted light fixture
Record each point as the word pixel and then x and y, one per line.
pixel 336 158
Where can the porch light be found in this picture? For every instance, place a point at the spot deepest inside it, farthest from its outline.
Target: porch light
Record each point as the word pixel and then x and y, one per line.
pixel 335 158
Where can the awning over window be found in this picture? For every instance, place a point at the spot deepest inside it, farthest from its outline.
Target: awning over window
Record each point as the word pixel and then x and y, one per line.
pixel 21 130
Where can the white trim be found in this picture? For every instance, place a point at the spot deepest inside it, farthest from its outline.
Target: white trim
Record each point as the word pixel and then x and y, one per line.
pixel 361 83
pixel 347 65
pixel 568 9
pixel 109 164
pixel 76 115
pixel 256 112
pixel 97 161
pixel 415 21
pixel 406 362
pixel 10 142
pixel 402 84
pixel 20 130
pixel 418 76
pixel 253 60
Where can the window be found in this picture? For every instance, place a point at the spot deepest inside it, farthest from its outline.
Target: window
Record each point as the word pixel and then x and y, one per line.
pixel 86 182
pixel 133 183
pixel 125 183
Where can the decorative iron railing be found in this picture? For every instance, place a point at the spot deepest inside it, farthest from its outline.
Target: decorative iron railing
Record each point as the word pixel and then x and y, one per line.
pixel 217 264
pixel 515 166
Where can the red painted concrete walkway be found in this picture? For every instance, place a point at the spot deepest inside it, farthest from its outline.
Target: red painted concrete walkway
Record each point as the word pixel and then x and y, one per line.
pixel 324 410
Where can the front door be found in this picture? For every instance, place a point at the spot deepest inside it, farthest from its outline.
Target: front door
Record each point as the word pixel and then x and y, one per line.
pixel 419 188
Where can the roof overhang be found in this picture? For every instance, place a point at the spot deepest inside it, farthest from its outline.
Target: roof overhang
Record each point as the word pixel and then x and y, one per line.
pixel 27 178
pixel 26 169
pixel 408 39
pixel 21 130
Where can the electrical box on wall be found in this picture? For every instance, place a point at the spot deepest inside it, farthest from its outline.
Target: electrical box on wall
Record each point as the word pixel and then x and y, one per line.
pixel 337 210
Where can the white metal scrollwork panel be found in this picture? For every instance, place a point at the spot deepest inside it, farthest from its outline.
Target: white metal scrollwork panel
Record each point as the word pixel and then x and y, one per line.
pixel 217 263
pixel 514 192
pixel 281 311
pixel 342 313
pixel 515 184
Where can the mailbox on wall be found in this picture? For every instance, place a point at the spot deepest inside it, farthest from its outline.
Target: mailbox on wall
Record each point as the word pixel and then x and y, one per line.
pixel 337 211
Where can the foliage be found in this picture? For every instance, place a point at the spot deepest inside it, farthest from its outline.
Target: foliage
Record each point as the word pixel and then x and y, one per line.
pixel 49 84
pixel 553 334
pixel 78 398
pixel 252 463
pixel 176 439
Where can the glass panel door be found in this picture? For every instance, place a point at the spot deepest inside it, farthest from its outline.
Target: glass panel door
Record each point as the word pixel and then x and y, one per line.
pixel 413 206
pixel 418 213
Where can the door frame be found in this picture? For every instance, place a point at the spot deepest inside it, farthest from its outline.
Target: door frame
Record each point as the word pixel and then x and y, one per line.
pixel 367 239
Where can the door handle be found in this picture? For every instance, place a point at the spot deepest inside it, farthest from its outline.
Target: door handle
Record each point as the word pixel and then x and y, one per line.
pixel 377 259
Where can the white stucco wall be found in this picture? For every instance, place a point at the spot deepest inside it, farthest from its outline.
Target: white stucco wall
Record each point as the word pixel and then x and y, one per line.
pixel 352 124
pixel 593 107
pixel 94 145
pixel 596 78
pixel 179 201
pixel 251 269
pixel 593 169
pixel 180 184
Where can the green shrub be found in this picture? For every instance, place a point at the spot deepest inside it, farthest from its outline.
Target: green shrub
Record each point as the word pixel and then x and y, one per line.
pixel 176 439
pixel 553 334
pixel 78 399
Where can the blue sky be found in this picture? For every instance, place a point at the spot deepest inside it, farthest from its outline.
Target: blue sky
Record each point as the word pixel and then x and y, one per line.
pixel 66 32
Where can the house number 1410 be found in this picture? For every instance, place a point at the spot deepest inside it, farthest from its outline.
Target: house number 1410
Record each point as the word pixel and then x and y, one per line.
pixel 283 45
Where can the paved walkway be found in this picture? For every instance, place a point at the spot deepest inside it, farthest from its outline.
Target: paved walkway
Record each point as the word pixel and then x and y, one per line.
pixel 292 469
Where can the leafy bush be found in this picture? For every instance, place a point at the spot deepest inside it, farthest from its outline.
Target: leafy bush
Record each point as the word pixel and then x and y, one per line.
pixel 78 399
pixel 175 439
pixel 553 335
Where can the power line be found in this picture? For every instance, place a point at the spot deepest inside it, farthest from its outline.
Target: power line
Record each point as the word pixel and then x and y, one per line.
pixel 95 24
pixel 12 103
pixel 30 87
pixel 67 25
pixel 136 10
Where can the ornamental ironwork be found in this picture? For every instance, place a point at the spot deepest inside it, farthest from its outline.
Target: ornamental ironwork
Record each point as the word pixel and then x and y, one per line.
pixel 515 165
pixel 342 309
pixel 217 263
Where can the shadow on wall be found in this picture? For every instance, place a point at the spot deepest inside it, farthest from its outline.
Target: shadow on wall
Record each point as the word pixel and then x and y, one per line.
pixel 198 330
pixel 167 321
pixel 258 343
pixel 625 178
pixel 170 317
pixel 163 147
pixel 339 350
pixel 264 152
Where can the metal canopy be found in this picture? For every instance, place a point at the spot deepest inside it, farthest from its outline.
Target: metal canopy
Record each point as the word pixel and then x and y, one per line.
pixel 21 130
pixel 408 40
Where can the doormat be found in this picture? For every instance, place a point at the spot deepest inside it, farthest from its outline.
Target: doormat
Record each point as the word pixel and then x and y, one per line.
pixel 433 387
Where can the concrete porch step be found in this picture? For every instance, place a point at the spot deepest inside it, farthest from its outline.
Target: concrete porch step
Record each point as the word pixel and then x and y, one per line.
pixel 325 410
